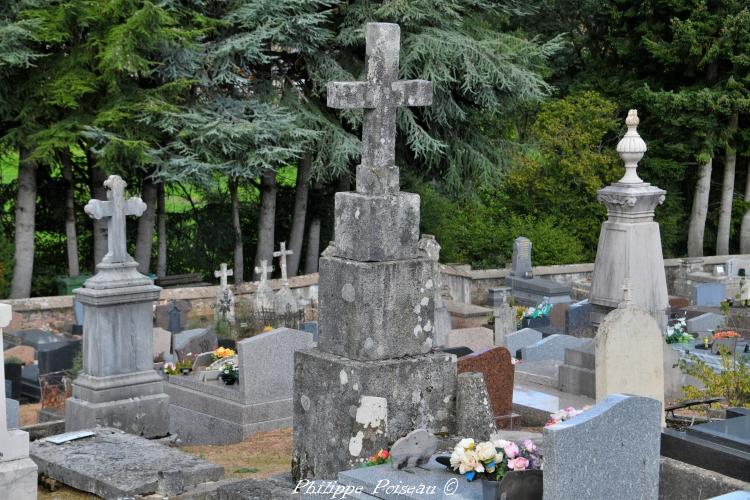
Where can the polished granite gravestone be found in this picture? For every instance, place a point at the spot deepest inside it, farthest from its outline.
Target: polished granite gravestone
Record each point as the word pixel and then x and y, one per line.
pixel 210 412
pixel 578 320
pixel 113 464
pixel 708 294
pixel 498 370
pixel 610 451
pixel 722 446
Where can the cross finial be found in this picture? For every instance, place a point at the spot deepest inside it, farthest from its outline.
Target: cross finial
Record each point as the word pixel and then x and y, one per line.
pixel 282 253
pixel 631 149
pixel 380 96
pixel 264 270
pixel 222 274
pixel 114 210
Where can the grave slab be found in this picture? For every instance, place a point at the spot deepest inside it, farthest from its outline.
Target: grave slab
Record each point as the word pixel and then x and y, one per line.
pixel 552 347
pixel 113 464
pixel 704 323
pixel 522 338
pixel 194 342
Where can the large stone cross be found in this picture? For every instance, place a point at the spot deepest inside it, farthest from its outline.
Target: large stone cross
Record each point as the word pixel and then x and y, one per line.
pixel 115 209
pixel 282 253
pixel 222 274
pixel 264 270
pixel 380 95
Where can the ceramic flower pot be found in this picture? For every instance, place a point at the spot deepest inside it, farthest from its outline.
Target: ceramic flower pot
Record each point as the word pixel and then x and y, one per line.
pixel 490 489
pixel 521 485
pixel 228 379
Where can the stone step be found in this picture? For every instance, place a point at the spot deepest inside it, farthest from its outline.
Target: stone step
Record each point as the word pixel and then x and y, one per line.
pixel 535 402
pixel 542 372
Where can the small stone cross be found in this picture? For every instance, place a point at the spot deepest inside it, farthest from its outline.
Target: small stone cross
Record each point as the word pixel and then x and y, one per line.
pixel 282 253
pixel 222 274
pixel 115 209
pixel 264 270
pixel 380 95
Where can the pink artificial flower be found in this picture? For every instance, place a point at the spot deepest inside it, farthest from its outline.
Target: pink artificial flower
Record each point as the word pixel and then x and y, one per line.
pixel 518 464
pixel 528 445
pixel 511 450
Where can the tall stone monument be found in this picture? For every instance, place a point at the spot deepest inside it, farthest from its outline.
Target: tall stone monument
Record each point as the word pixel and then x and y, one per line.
pixel 17 471
pixel 629 242
pixel 118 386
pixel 373 377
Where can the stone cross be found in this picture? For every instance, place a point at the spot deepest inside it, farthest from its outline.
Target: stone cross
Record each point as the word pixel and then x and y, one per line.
pixel 264 270
pixel 380 95
pixel 282 253
pixel 115 209
pixel 222 274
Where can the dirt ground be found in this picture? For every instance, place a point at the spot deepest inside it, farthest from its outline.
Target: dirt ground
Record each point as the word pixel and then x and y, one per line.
pixel 261 456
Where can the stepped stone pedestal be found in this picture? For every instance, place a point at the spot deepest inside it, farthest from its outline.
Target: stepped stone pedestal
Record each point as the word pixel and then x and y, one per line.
pixel 118 386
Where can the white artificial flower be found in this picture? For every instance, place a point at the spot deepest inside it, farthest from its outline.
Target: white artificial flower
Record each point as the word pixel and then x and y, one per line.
pixel 499 457
pixel 456 458
pixel 485 451
pixel 466 444
pixel 501 443
pixel 470 463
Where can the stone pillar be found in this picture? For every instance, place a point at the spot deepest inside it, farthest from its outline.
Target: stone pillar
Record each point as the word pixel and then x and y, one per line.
pixel 629 242
pixel 18 473
pixel 374 377
pixel 118 386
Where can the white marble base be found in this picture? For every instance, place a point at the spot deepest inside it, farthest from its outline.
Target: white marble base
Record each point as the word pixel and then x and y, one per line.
pixel 18 479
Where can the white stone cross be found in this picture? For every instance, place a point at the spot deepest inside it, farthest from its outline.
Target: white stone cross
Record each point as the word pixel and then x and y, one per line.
pixel 264 270
pixel 380 95
pixel 14 444
pixel 114 210
pixel 281 254
pixel 222 274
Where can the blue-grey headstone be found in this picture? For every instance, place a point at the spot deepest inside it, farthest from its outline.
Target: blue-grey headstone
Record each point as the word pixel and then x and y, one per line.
pixel 174 318
pixel 552 347
pixel 609 451
pixel 311 327
pixel 522 338
pixel 708 294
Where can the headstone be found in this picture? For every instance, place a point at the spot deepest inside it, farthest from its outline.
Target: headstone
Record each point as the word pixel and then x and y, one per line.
pixel 62 358
pixel 734 265
pixel 284 300
pixel 162 341
pixel 476 339
pixel 505 323
pixel 578 320
pixel 552 347
pixel 173 315
pixel 705 322
pixel 194 342
pixel 630 354
pixel 609 451
pixel 522 338
pixel 205 411
pixel 629 241
pixel 521 265
pixel 557 315
pixel 497 368
pixel 203 360
pixel 18 473
pixel 708 294
pixel 224 305
pixel 577 373
pixel 498 296
pixel 474 416
pixel 117 385
pixel 264 293
pixel 376 297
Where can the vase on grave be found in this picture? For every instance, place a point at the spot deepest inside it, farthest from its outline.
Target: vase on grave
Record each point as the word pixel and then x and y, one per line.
pixel 521 485
pixel 117 386
pixel 629 241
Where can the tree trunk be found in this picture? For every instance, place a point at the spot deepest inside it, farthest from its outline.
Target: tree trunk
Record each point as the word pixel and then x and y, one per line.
pixel 239 259
pixel 99 192
pixel 745 227
pixel 161 230
pixel 700 209
pixel 267 219
pixel 300 214
pixel 144 243
pixel 313 232
pixel 727 191
pixel 23 267
pixel 71 236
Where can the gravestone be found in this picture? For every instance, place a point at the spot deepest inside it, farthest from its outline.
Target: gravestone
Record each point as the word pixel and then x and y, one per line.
pixel 552 347
pixel 521 338
pixel 58 359
pixel 528 290
pixel 577 373
pixel 476 339
pixel 264 293
pixel 117 385
pixel 473 407
pixel 557 315
pixel 704 323
pixel 376 297
pixel 498 370
pixel 224 305
pixel 284 300
pixel 162 341
pixel 734 265
pixel 18 473
pixel 505 323
pixel 630 353
pixel 708 294
pixel 609 451
pixel 194 342
pixel 629 242
pixel 521 263
pixel 209 412
pixel 578 320
pixel 498 296
pixel 173 315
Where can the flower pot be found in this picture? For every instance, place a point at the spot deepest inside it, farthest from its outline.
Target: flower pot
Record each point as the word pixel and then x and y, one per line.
pixel 489 489
pixel 521 485
pixel 228 379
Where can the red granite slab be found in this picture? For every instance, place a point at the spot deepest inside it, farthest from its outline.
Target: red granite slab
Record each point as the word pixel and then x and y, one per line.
pixel 498 370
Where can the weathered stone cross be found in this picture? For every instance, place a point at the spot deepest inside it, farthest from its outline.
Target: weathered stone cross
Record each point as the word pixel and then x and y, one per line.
pixel 381 96
pixel 222 274
pixel 115 209
pixel 264 271
pixel 282 253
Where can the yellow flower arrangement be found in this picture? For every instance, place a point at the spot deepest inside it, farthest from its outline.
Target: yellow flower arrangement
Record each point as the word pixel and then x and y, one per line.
pixel 223 352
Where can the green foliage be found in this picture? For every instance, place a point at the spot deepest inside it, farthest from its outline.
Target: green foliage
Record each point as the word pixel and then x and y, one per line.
pixel 732 384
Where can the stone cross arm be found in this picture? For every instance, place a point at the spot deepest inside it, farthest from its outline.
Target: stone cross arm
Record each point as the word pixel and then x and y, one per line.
pixel 352 95
pixel 222 274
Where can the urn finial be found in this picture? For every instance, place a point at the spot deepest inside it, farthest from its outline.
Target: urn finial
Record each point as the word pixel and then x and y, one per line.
pixel 631 149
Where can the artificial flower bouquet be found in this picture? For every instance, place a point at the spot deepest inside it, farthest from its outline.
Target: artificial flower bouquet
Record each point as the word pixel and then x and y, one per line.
pixel 379 458
pixel 540 311
pixel 564 414
pixel 221 353
pixel 677 333
pixel 492 460
pixel 726 334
